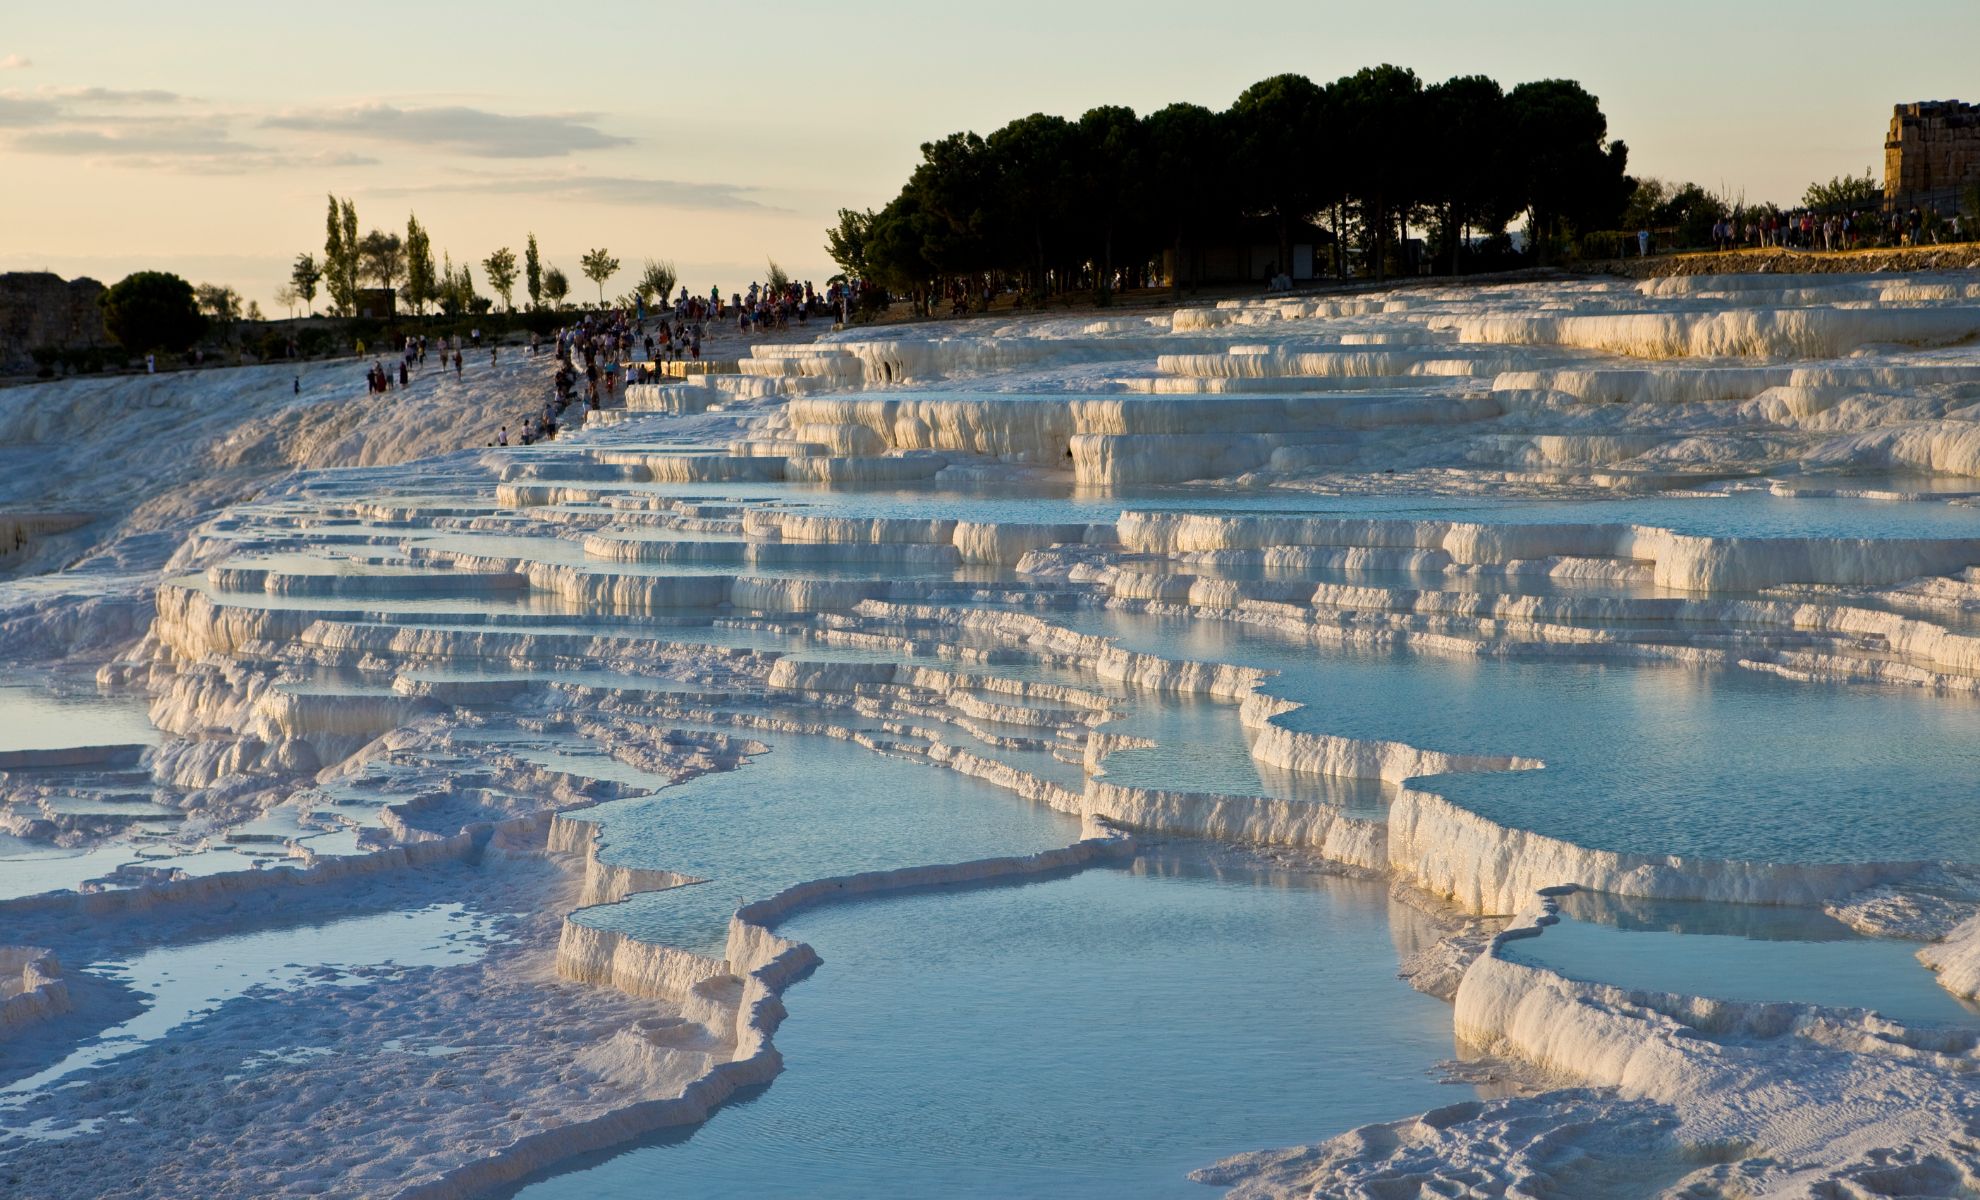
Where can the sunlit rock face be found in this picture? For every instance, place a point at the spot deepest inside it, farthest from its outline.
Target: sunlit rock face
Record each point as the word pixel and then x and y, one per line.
pixel 1661 593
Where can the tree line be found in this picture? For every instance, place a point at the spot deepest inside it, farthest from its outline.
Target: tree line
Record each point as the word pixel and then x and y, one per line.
pixel 404 265
pixel 1048 199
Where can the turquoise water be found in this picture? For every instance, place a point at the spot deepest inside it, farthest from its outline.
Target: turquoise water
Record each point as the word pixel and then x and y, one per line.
pixel 1737 514
pixel 1200 746
pixel 1715 950
pixel 1652 759
pixel 1096 1035
pixel 810 808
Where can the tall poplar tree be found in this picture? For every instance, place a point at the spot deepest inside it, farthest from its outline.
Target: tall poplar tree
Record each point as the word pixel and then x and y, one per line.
pixel 533 273
pixel 421 286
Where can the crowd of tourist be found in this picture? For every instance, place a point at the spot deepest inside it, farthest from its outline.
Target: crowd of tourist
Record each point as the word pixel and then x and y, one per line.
pixel 412 357
pixel 766 307
pixel 590 350
pixel 1806 229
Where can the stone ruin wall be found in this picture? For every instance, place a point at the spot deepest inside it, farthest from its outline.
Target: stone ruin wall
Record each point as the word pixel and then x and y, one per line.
pixel 1933 145
pixel 38 308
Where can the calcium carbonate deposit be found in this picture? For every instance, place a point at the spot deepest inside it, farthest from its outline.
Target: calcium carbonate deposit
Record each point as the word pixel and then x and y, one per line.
pixel 1505 741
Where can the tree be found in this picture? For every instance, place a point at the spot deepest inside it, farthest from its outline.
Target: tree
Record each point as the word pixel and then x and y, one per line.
pixel 340 257
pixel 556 286
pixel 658 279
pixel 333 262
pixel 533 273
pixel 1844 192
pixel 383 256
pixel 501 268
pixel 776 280
pixel 1026 159
pixel 1572 176
pixel 288 298
pixel 1379 112
pixel 1184 177
pixel 303 277
pixel 897 244
pixel 951 219
pixel 1465 122
pixel 598 267
pixel 254 310
pixel 220 303
pixel 422 283
pixel 1645 200
pixel 152 310
pixel 1281 149
pixel 846 241
pixel 457 289
pixel 1109 176
pixel 1692 211
pixel 1060 203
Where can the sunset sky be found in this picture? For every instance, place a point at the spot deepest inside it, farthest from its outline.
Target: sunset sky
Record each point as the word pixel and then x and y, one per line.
pixel 201 138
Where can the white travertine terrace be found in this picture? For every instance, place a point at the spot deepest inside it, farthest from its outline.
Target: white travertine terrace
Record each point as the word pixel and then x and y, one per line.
pixel 903 543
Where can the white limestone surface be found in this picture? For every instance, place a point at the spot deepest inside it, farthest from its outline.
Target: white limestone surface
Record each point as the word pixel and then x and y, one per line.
pixel 380 687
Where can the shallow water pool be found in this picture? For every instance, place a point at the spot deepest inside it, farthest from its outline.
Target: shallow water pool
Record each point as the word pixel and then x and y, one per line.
pixel 1123 1027
pixel 1718 951
pixel 1642 758
pixel 811 808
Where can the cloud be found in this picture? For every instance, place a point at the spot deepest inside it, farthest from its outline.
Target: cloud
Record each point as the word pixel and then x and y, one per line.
pixel 48 105
pixel 601 189
pixel 238 163
pixel 158 137
pixel 15 62
pixel 200 146
pixel 472 131
pixel 103 95
pixel 17 110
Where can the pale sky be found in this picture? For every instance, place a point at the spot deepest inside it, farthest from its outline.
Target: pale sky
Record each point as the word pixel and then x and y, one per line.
pixel 201 137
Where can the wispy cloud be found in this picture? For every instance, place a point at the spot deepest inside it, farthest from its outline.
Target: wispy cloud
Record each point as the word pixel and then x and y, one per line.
pixel 15 62
pixel 202 145
pixel 190 137
pixel 472 131
pixel 17 110
pixel 600 189
pixel 146 129
pixel 103 95
pixel 237 162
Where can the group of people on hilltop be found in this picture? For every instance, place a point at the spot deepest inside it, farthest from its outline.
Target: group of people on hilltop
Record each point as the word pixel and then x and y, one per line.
pixel 766 307
pixel 1807 229
pixel 590 349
